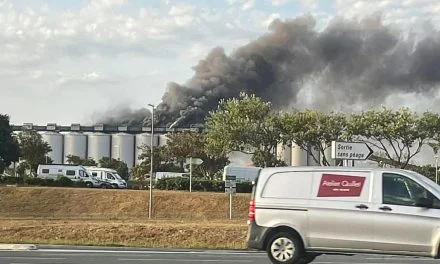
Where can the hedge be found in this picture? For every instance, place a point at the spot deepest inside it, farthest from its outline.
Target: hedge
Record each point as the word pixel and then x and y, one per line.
pixel 177 183
pixel 199 185
pixel 60 182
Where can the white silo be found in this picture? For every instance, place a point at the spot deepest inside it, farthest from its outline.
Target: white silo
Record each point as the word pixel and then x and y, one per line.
pixel 328 155
pixel 284 153
pixel 123 148
pixel 55 140
pixel 142 140
pixel 98 146
pixel 163 139
pixel 299 156
pixel 75 144
pixel 316 154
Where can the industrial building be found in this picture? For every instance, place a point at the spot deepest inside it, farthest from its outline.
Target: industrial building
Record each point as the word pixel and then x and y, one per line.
pixel 124 143
pixel 122 146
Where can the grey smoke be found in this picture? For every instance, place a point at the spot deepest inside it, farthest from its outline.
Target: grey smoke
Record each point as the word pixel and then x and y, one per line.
pixel 347 62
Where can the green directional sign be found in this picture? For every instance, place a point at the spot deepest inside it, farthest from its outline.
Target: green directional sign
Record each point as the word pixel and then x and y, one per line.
pixel 231 177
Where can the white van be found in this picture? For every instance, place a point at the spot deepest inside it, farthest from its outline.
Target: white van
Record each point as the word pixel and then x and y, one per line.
pixel 73 172
pixel 297 213
pixel 108 175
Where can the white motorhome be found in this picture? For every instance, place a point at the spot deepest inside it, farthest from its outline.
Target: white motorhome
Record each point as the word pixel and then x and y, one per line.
pixel 73 172
pixel 298 213
pixel 242 173
pixel 108 175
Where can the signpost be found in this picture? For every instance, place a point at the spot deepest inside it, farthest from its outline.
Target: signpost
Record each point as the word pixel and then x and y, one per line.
pixel 192 161
pixel 230 188
pixel 350 150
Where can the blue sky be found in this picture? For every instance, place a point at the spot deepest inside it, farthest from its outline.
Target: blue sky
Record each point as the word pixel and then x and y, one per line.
pixel 71 61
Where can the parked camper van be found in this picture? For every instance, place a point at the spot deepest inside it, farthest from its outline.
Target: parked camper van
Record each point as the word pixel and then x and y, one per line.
pixel 108 175
pixel 73 172
pixel 297 213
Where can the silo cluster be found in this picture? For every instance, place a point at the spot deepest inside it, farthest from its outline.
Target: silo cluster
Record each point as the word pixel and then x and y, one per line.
pixel 120 146
pixel 293 155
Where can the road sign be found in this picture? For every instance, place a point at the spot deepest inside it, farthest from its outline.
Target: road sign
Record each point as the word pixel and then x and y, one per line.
pixel 231 177
pixel 195 161
pixel 230 190
pixel 350 150
pixel 232 184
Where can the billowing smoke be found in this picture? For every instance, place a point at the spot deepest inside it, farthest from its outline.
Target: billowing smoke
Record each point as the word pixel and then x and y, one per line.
pixel 348 63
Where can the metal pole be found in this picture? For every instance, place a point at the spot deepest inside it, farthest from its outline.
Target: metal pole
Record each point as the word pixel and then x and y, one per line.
pixel 230 203
pixel 150 204
pixel 190 174
pixel 436 169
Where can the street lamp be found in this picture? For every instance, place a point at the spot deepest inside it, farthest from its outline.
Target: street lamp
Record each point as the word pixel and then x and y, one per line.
pixel 436 169
pixel 150 205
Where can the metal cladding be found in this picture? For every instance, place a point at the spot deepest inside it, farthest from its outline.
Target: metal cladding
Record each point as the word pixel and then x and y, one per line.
pixel 123 148
pixel 98 146
pixel 55 140
pixel 75 144
pixel 142 140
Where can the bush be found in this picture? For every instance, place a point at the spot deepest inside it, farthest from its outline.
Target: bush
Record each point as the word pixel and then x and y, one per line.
pixel 11 180
pixel 200 185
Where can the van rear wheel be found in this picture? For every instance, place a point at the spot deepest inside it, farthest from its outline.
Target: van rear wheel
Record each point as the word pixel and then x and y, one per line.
pixel 285 248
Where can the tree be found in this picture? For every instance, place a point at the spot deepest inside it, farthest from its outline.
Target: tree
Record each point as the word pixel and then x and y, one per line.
pixel 189 144
pixel 9 150
pixel 399 134
pixel 246 124
pixel 312 131
pixel 118 165
pixel 161 162
pixel 33 148
pixel 72 159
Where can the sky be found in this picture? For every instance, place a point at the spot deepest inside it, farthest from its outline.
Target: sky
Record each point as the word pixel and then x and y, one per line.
pixel 66 61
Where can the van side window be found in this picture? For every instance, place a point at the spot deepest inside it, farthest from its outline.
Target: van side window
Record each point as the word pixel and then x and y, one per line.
pixel 70 172
pixel 400 190
pixel 94 174
pixel 45 170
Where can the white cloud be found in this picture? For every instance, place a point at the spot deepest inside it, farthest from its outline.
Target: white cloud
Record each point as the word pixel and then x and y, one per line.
pixel 270 19
pixel 244 4
pixel 279 2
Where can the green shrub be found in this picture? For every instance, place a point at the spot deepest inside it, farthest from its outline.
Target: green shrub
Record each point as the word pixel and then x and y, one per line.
pixel 199 185
pixel 11 180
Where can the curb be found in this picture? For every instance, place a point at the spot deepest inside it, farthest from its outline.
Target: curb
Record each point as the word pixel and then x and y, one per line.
pixel 17 247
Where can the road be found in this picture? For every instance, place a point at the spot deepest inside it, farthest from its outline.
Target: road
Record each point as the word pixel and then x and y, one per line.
pixel 102 255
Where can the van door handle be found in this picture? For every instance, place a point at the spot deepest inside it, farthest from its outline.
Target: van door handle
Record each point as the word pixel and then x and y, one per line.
pixel 362 206
pixel 385 208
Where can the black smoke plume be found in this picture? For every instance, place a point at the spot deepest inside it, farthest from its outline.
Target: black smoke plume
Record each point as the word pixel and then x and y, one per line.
pixel 347 63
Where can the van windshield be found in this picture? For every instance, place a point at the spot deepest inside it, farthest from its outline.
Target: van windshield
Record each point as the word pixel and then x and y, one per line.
pixel 426 180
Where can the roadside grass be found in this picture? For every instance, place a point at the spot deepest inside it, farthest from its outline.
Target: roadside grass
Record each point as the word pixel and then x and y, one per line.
pixel 163 234
pixel 106 217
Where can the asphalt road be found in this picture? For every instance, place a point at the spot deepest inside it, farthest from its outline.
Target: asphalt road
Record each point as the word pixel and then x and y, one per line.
pixel 100 255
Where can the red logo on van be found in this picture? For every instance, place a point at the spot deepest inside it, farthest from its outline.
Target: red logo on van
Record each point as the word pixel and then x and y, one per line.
pixel 340 185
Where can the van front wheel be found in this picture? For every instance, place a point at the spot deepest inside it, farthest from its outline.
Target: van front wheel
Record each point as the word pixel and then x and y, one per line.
pixel 284 248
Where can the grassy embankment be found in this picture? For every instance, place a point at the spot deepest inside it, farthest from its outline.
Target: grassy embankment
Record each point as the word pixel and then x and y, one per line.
pixel 120 218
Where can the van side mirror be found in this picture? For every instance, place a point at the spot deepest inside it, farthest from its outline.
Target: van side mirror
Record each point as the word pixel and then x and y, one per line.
pixel 425 202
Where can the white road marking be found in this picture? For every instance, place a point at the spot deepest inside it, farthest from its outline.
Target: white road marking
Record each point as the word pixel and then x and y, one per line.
pixel 210 253
pixel 189 260
pixel 32 258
